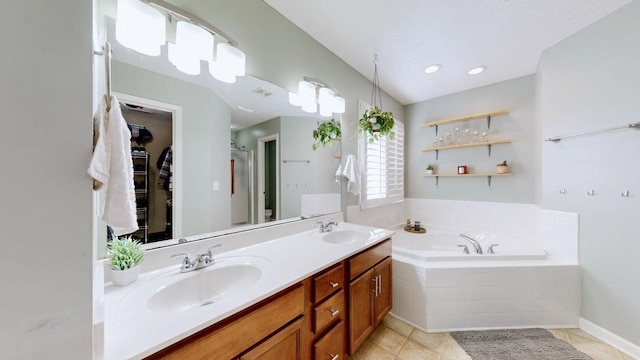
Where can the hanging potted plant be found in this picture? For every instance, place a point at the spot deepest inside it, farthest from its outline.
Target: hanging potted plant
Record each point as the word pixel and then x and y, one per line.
pixel 375 122
pixel 327 132
pixel 124 255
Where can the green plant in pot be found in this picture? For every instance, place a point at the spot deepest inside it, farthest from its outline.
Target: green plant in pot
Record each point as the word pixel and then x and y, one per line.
pixel 327 132
pixel 430 169
pixel 124 255
pixel 376 123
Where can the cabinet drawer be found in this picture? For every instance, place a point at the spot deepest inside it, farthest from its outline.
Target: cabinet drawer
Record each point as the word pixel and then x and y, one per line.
pixel 328 283
pixel 331 346
pixel 328 312
pixel 366 259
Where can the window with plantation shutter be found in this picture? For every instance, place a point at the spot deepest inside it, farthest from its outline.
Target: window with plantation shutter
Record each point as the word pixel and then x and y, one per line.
pixel 383 169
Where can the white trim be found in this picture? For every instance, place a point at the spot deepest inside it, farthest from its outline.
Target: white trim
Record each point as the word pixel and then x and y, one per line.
pixel 261 190
pixel 610 338
pixel 176 111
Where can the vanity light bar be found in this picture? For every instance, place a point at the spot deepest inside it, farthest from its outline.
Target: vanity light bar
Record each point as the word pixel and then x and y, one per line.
pixel 193 19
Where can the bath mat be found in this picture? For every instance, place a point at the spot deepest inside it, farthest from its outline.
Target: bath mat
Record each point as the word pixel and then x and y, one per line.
pixel 516 344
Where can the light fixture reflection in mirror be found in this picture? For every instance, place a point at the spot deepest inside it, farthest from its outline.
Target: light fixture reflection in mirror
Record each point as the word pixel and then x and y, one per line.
pixel 209 107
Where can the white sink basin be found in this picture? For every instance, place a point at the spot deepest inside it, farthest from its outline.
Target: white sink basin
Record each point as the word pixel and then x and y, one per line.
pixel 346 236
pixel 223 282
pixel 204 287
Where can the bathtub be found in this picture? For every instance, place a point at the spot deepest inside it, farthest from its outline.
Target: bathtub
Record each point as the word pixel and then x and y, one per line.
pixel 439 244
pixel 438 288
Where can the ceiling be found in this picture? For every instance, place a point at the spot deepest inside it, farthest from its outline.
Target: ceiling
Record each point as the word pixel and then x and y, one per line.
pixel 506 36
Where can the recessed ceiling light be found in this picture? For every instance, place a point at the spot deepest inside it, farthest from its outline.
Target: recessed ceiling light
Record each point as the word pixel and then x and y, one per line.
pixel 432 68
pixel 477 70
pixel 233 126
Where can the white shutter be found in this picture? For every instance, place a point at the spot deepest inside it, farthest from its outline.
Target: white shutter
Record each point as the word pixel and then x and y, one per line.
pixel 383 169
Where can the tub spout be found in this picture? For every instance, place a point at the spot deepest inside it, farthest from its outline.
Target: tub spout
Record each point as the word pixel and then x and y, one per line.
pixel 474 242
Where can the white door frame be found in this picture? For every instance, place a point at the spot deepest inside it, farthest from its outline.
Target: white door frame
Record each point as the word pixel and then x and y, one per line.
pixel 176 111
pixel 261 177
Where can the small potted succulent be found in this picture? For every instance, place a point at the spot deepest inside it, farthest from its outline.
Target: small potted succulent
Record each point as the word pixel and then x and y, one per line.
pixel 327 132
pixel 430 169
pixel 124 255
pixel 376 123
pixel 502 168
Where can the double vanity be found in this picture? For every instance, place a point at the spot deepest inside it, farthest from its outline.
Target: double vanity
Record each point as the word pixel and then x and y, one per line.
pixel 312 294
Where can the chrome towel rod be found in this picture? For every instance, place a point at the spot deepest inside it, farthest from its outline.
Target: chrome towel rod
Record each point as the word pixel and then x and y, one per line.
pixel 292 161
pixel 628 126
pixel 106 52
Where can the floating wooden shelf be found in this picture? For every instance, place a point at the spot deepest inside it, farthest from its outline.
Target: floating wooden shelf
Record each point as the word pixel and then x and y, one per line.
pixel 487 115
pixel 489 176
pixel 460 146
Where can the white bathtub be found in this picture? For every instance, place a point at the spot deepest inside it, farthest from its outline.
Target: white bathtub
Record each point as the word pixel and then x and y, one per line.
pixel 437 287
pixel 439 244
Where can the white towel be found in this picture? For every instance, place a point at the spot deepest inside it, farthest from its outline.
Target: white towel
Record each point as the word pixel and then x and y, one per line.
pixel 352 173
pixel 338 174
pixel 112 166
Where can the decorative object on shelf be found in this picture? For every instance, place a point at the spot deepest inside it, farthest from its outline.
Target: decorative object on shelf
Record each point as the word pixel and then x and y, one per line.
pixel 462 169
pixel 124 255
pixel 327 132
pixel 502 168
pixel 430 169
pixel 374 121
pixel 487 115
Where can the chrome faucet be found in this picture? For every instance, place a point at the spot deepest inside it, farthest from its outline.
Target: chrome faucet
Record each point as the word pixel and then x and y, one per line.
pixel 327 227
pixel 198 262
pixel 474 242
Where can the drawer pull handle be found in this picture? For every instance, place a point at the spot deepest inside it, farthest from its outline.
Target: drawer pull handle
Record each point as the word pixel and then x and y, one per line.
pixel 334 357
pixel 334 312
pixel 334 285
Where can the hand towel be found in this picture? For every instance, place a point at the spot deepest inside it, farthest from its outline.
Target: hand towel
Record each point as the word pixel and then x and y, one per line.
pixel 352 173
pixel 338 174
pixel 112 166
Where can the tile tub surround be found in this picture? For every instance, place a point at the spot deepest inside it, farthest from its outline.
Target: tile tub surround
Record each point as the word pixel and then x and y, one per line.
pixel 395 339
pixel 136 334
pixel 555 231
pixel 489 297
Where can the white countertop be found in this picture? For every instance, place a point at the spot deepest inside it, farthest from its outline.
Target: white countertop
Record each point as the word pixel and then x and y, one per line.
pixel 133 331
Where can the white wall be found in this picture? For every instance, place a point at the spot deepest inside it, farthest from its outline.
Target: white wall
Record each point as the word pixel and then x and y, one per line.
pixel 46 206
pixel 587 82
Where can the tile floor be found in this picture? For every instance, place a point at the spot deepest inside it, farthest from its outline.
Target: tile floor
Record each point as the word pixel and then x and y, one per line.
pixel 397 340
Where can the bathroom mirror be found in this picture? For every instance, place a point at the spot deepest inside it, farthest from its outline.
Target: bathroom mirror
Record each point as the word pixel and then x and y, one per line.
pixel 244 154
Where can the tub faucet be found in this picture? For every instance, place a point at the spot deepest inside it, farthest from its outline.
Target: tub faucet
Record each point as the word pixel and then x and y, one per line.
pixel 474 242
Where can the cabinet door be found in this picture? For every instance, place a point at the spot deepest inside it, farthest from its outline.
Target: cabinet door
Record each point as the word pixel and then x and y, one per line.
pixel 361 321
pixel 285 344
pixel 383 296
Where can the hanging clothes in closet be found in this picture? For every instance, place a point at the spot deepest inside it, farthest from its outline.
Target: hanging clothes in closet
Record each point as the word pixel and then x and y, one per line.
pixel 164 164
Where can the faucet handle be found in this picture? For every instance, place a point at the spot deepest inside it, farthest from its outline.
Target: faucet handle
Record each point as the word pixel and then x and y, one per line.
pixel 465 249
pixel 490 250
pixel 207 259
pixel 185 261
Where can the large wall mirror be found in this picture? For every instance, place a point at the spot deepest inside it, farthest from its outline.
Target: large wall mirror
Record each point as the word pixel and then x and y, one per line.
pixel 242 156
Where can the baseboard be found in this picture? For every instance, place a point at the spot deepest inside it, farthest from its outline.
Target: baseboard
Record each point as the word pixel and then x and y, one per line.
pixel 610 338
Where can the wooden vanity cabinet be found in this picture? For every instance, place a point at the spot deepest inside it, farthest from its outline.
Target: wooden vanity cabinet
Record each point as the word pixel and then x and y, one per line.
pixel 324 317
pixel 327 314
pixel 271 329
pixel 370 297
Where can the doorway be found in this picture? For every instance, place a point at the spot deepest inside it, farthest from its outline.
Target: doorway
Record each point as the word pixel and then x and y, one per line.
pixel 158 200
pixel 268 179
